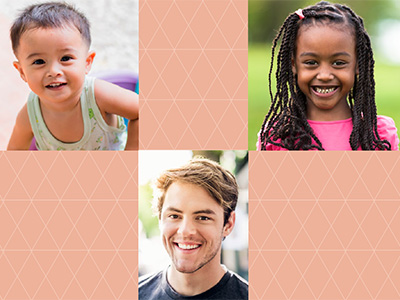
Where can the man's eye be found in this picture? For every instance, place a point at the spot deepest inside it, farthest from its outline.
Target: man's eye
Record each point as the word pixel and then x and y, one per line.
pixel 39 62
pixel 66 58
pixel 173 216
pixel 203 218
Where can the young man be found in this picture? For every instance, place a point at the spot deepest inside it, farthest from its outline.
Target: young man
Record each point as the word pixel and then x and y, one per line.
pixel 196 211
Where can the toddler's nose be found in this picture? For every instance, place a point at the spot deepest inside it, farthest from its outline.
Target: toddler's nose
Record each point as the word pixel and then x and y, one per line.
pixel 54 70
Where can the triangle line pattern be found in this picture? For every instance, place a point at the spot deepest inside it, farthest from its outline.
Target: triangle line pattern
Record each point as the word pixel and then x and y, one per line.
pixel 158 38
pixel 48 246
pixel 356 251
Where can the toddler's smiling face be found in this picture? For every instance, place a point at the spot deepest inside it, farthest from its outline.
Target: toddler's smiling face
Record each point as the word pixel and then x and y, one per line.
pixel 54 62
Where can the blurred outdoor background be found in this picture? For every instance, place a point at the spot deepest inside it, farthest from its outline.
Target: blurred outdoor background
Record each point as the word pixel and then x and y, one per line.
pixel 115 38
pixel 382 21
pixel 152 254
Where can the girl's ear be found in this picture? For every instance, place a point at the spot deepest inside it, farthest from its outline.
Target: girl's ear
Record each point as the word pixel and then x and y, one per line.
pixel 89 61
pixel 294 70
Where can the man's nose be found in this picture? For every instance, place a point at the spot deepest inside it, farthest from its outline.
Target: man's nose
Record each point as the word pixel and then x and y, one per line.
pixel 186 227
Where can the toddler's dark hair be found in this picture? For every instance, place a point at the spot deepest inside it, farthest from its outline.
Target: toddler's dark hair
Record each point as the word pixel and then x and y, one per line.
pixel 49 15
pixel 285 124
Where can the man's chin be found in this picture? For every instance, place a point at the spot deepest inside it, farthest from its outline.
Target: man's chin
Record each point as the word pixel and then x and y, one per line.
pixel 187 269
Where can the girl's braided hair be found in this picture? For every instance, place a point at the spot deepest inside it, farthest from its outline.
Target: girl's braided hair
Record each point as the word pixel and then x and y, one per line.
pixel 285 124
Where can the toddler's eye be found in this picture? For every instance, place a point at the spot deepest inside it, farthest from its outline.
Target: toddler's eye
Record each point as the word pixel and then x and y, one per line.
pixel 66 58
pixel 38 62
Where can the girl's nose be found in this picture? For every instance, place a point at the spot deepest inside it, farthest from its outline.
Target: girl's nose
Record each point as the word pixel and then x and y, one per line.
pixel 186 227
pixel 325 74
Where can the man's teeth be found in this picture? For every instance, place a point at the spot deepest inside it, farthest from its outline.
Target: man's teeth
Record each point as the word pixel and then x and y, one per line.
pixel 187 247
pixel 324 90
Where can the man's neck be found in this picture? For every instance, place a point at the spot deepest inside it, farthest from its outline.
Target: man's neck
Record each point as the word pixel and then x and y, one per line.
pixel 190 284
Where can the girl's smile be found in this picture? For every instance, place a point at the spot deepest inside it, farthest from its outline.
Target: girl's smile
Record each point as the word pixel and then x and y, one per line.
pixel 326 65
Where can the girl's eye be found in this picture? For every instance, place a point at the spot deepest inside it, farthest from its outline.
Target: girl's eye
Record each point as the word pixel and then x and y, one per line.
pixel 66 58
pixel 310 62
pixel 339 63
pixel 38 62
pixel 173 216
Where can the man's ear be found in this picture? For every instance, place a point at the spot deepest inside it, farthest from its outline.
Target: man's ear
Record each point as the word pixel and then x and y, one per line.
pixel 228 227
pixel 18 66
pixel 89 61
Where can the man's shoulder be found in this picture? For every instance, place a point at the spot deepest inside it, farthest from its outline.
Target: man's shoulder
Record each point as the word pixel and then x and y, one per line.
pixel 238 285
pixel 152 287
pixel 231 286
pixel 150 279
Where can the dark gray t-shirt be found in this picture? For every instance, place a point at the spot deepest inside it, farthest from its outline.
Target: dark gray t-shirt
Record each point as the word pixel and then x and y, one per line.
pixel 230 287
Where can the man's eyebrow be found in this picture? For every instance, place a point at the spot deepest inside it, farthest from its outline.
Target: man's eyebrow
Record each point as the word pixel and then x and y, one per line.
pixel 197 212
pixel 174 209
pixel 205 211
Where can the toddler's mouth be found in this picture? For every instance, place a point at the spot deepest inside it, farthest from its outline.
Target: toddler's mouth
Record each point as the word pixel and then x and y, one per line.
pixel 56 85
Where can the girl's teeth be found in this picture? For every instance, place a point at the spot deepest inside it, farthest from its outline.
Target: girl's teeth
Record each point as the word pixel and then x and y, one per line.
pixel 186 247
pixel 324 91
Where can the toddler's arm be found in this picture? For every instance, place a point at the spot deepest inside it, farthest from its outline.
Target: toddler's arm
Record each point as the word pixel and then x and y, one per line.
pixel 22 134
pixel 113 99
pixel 133 135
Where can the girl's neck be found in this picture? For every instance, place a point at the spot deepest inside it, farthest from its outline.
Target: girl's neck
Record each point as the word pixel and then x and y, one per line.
pixel 329 115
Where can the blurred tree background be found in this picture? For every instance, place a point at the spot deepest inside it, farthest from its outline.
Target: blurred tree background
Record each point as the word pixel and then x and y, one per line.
pixel 382 21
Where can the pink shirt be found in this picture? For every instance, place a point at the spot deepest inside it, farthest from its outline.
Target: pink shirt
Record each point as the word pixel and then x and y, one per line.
pixel 335 135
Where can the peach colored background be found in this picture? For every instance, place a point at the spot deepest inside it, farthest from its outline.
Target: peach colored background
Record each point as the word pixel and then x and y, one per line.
pixel 193 74
pixel 68 225
pixel 324 225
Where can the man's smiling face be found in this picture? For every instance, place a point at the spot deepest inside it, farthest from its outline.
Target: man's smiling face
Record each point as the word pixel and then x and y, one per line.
pixel 192 227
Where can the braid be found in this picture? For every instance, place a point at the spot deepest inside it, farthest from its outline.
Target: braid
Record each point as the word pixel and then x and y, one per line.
pixel 285 124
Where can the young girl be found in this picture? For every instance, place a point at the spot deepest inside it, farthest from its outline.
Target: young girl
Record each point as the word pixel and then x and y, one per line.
pixel 66 110
pixel 325 98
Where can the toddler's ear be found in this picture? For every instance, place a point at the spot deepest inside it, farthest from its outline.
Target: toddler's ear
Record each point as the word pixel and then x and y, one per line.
pixel 89 60
pixel 18 66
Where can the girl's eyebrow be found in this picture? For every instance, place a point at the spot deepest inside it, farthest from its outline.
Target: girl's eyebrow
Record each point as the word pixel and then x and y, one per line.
pixel 315 55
